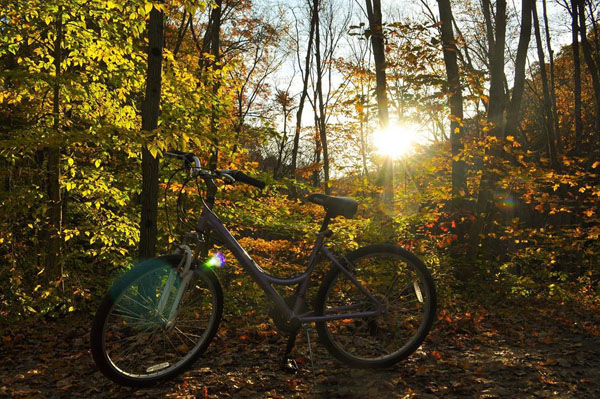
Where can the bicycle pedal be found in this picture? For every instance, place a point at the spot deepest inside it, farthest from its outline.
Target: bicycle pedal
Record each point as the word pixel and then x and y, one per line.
pixel 289 365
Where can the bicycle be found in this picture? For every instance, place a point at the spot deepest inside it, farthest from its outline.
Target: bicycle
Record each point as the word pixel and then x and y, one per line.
pixel 374 307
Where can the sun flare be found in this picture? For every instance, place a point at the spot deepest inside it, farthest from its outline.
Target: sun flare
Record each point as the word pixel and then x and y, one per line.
pixel 396 141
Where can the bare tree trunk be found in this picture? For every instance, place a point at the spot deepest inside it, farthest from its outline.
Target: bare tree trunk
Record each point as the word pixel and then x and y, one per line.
pixel 546 92
pixel 378 44
pixel 321 117
pixel 459 179
pixel 592 67
pixel 53 235
pixel 497 95
pixel 150 111
pixel 513 114
pixel 285 103
pixel 185 23
pixel 363 141
pixel 496 106
pixel 552 85
pixel 304 93
pixel 317 138
pixel 215 44
pixel 377 41
pixel 576 75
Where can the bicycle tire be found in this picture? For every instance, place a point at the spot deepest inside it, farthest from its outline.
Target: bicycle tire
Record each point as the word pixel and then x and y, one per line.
pixel 377 267
pixel 133 303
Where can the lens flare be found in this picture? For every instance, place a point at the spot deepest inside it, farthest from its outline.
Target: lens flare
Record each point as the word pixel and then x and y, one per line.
pixel 505 200
pixel 396 140
pixel 217 260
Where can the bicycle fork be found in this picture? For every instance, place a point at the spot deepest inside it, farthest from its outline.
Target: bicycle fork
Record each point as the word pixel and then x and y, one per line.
pixel 166 294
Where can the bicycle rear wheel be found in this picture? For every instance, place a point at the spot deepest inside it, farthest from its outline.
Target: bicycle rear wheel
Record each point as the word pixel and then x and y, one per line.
pixel 138 337
pixel 401 283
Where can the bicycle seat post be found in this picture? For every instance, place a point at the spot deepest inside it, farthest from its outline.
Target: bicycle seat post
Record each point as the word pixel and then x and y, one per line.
pixel 325 223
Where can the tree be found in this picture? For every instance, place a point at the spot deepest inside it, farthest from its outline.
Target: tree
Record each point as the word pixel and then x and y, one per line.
pixel 54 230
pixel 593 68
pixel 377 41
pixel 513 114
pixel 576 73
pixel 305 79
pixel 550 132
pixel 150 112
pixel 459 178
pixel 286 102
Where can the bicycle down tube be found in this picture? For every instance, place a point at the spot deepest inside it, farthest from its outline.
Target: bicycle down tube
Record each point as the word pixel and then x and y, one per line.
pixel 264 280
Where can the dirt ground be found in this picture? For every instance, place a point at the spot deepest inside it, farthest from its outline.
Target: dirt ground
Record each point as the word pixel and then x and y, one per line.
pixel 522 350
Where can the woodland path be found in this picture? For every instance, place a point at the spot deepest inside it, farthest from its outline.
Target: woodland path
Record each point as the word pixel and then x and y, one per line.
pixel 522 350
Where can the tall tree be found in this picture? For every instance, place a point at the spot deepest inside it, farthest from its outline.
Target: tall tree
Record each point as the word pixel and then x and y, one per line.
pixel 54 227
pixel 552 86
pixel 320 116
pixel 513 114
pixel 496 41
pixel 459 178
pixel 576 73
pixel 150 112
pixel 304 93
pixel 593 67
pixel 549 116
pixel 283 98
pixel 496 33
pixel 378 44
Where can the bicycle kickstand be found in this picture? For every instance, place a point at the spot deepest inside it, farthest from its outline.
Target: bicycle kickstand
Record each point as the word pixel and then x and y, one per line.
pixel 288 364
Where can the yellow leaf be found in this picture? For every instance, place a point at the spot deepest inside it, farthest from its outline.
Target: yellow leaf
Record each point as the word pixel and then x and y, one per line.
pixel 595 164
pixel 510 138
pixel 589 213
pixel 148 7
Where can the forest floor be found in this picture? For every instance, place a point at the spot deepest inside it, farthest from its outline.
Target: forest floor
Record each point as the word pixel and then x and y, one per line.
pixel 526 349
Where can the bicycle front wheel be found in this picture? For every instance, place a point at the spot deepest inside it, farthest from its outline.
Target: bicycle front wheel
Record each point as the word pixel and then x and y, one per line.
pixel 404 293
pixel 144 331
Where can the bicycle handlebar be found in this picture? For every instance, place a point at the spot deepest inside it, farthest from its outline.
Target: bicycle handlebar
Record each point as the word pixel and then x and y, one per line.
pixel 226 174
pixel 240 176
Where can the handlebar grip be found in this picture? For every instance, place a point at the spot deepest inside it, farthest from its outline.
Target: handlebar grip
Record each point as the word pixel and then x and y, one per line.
pixel 244 178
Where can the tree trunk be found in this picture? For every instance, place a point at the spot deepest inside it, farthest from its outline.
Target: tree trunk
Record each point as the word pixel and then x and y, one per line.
pixel 283 139
pixel 317 138
pixel 490 175
pixel 497 95
pixel 551 72
pixel 377 42
pixel 150 111
pixel 304 93
pixel 589 59
pixel 459 179
pixel 378 45
pixel 513 114
pixel 321 117
pixel 215 44
pixel 576 75
pixel 546 92
pixel 53 235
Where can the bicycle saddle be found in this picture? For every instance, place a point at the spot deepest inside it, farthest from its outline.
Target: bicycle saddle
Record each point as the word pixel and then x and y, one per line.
pixel 335 206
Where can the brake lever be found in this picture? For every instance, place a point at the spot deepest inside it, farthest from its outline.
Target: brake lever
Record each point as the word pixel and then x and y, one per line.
pixel 227 179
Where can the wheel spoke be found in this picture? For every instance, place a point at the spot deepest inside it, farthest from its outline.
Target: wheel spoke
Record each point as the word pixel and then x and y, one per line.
pixel 136 342
pixel 382 338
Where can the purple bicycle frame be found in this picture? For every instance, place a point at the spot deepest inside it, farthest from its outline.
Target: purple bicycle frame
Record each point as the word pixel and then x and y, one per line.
pixel 209 220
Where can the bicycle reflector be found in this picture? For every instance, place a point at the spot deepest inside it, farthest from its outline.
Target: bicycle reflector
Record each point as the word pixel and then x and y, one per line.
pixel 217 260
